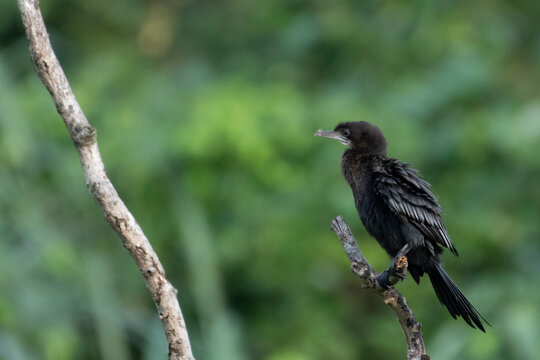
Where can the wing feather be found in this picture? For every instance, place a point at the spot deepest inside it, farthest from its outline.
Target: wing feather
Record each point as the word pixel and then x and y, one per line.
pixel 410 197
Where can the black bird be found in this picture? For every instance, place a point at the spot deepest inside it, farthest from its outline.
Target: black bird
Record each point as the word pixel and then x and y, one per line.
pixel 398 209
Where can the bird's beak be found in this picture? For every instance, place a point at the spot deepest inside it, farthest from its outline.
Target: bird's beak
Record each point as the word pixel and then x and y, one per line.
pixel 333 135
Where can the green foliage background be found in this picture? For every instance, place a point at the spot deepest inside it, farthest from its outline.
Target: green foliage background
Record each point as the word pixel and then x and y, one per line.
pixel 205 112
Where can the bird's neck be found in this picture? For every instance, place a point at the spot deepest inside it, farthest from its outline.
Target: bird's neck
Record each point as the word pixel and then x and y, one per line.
pixel 357 165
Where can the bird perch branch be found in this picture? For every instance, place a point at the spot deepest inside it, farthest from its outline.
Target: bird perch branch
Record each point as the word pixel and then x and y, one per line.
pixel 122 221
pixel 364 270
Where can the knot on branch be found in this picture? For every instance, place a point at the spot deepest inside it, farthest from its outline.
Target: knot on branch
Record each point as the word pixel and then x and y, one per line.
pixel 84 135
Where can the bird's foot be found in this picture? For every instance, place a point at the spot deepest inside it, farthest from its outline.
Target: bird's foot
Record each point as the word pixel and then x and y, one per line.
pixel 394 273
pixel 383 280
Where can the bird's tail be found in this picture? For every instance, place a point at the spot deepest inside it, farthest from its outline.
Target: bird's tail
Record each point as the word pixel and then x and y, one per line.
pixel 451 297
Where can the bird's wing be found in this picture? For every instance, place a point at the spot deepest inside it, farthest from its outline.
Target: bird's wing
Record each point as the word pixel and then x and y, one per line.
pixel 409 197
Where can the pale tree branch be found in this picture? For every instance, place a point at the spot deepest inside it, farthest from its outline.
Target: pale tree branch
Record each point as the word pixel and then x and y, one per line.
pixel 122 221
pixel 362 269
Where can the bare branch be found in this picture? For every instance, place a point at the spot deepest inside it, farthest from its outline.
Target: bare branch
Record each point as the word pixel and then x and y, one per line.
pixel 362 269
pixel 84 137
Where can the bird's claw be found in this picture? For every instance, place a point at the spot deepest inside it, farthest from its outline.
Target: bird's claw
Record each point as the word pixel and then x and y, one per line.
pixel 399 275
pixel 383 280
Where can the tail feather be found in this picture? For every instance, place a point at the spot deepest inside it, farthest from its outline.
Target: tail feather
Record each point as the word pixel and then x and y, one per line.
pixel 454 300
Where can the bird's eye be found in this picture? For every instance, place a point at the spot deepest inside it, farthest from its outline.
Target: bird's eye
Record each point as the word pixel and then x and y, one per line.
pixel 346 133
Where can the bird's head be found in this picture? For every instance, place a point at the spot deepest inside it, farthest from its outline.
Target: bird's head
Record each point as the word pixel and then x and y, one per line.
pixel 359 135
